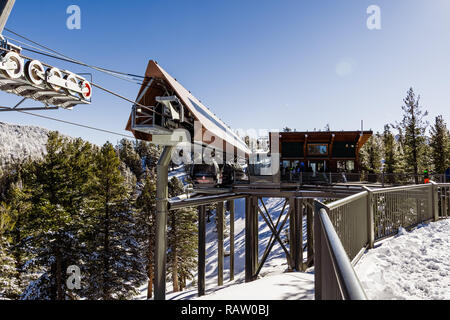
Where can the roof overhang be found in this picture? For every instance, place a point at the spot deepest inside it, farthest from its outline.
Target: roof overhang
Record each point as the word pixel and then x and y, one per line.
pixel 213 130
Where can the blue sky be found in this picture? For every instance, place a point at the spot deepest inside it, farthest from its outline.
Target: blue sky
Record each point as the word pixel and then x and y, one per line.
pixel 261 64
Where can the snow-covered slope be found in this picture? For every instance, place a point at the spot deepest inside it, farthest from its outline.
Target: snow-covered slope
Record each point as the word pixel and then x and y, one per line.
pixel 285 286
pixel 278 284
pixel 20 142
pixel 412 265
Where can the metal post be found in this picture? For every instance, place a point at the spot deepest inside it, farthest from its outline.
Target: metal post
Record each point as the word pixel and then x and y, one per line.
pixel 370 218
pixel 292 233
pixel 162 194
pixel 299 234
pixel 296 232
pixel 310 232
pixel 255 235
pixel 5 10
pixel 448 202
pixel 318 254
pixel 231 206
pixel 434 200
pixel 251 255
pixel 248 246
pixel 201 250
pixel 220 254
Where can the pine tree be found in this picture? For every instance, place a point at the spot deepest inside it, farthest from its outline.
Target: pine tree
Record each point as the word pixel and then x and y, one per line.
pixel 146 205
pixel 186 222
pixel 8 285
pixel 440 145
pixel 412 132
pixel 392 155
pixel 388 151
pixel 59 188
pixel 114 270
pixel 21 251
pixel 182 239
pixel 129 156
pixel 370 156
pixel 149 153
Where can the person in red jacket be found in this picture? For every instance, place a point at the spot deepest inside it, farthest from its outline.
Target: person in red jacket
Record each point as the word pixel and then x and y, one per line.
pixel 426 177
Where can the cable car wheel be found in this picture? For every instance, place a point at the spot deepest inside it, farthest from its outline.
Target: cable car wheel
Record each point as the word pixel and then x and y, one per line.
pixel 34 72
pixel 86 90
pixel 72 79
pixel 53 72
pixel 14 65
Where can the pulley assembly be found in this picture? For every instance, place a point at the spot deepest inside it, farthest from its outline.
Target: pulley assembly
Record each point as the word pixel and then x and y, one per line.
pixel 34 80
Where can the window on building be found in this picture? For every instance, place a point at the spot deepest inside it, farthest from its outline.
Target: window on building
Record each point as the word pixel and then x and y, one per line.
pixel 292 149
pixel 344 149
pixel 317 149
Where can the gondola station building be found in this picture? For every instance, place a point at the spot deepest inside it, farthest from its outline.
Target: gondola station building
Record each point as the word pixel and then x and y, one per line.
pixel 322 151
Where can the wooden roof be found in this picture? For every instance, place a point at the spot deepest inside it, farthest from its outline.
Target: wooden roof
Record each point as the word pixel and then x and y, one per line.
pixel 326 136
pixel 211 124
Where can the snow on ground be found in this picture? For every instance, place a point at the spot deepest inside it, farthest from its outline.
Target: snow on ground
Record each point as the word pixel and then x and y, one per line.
pixel 273 278
pixel 412 265
pixel 285 286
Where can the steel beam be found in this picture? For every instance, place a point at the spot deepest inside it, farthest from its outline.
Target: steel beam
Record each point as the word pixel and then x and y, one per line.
pixel 194 202
pixel 255 236
pixel 274 238
pixel 311 194
pixel 162 194
pixel 2 109
pixel 251 239
pixel 296 232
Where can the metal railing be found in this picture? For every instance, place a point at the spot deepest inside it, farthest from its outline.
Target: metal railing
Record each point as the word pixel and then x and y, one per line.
pixel 443 200
pixel 400 207
pixel 335 278
pixel 383 179
pixel 360 220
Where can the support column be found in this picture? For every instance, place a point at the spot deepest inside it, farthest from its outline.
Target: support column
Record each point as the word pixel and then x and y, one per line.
pixel 201 250
pixel 255 235
pixel 296 232
pixel 292 236
pixel 162 194
pixel 251 239
pixel 310 232
pixel 231 207
pixel 220 254
pixel 299 231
